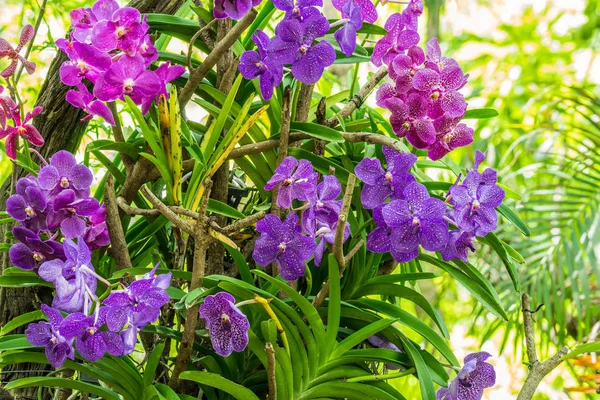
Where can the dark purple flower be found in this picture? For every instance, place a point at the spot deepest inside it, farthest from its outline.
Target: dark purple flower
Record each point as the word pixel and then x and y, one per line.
pixel 6 50
pixel 75 279
pixel 417 220
pixel 325 233
pixel 65 173
pixel 86 61
pixel 283 243
pixel 395 42
pixel 475 200
pixel 128 77
pixel 84 19
pixel 21 128
pixel 404 67
pixel 368 10
pixel 234 9
pixel 449 136
pixel 323 207
pixel 346 35
pixel 409 119
pixel 96 233
pixel 459 244
pixel 227 325
pixel 384 344
pixel 296 180
pixel 29 205
pixel 473 378
pixel 67 211
pixel 258 64
pixel 411 14
pixel 59 345
pixel 123 32
pixel 298 9
pixel 31 252
pixel 293 44
pixel 165 73
pixel 139 304
pixel 378 240
pixel 85 100
pixel 379 185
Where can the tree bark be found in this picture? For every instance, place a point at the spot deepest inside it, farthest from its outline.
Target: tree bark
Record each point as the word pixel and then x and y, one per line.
pixel 60 126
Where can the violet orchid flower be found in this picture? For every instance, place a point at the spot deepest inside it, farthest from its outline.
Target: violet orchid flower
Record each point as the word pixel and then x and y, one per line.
pixel 234 9
pixel 64 173
pixel 31 251
pixel 260 65
pixel 29 205
pixel 85 100
pixel 96 233
pixel 284 244
pixel 368 10
pixel 129 338
pixel 409 119
pixel 6 50
pixel 459 244
pixel 67 210
pixel 475 376
pixel 325 234
pixel 86 61
pixel 296 180
pixel 346 35
pixel 124 32
pixel 395 42
pixel 298 9
pixel 449 136
pixel 323 207
pixel 128 77
pixel 417 220
pixel 379 185
pixel 52 336
pixel 227 325
pixel 293 44
pixel 378 240
pixel 22 128
pixel 404 67
pixel 165 73
pixel 411 14
pixel 440 88
pixel 84 19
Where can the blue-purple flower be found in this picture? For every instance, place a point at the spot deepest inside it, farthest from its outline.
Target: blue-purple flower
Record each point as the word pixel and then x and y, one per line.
pixel 346 35
pixel 227 325
pixel 459 244
pixel 475 376
pixel 31 251
pixel 325 234
pixel 57 341
pixel 67 211
pixel 260 65
pixel 29 205
pixel 296 180
pixel 323 206
pixel 234 9
pixel 298 9
pixel 65 173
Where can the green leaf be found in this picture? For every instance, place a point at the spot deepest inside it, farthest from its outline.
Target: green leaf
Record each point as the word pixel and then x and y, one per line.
pixel 492 240
pixel 213 380
pixel 21 320
pixel 480 113
pixel 317 131
pixel 593 347
pixel 360 336
pixel 218 207
pixel 334 305
pixel 425 380
pixel 240 263
pixel 514 218
pixel 152 364
pixel 42 381
pixel 17 281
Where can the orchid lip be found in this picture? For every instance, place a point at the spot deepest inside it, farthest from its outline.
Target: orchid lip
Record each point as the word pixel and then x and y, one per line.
pixel 64 182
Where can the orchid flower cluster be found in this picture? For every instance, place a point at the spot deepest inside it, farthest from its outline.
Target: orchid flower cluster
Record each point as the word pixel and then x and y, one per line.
pixel 293 242
pixel 111 48
pixel 412 218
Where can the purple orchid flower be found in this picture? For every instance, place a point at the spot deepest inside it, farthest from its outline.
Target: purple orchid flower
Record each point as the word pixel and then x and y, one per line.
pixel 31 252
pixel 473 378
pixel 323 207
pixel 293 44
pixel 148 51
pixel 128 77
pixel 140 303
pixel 346 35
pixel 29 205
pixel 409 119
pixel 296 180
pixel 437 62
pixel 85 100
pixel 379 185
pixel 440 88
pixel 67 210
pixel 378 240
pixel 417 220
pixel 283 243
pixel 86 61
pixel 227 325
pixel 258 64
pixel 96 233
pixel 129 338
pixel 395 42
pixel 84 19
pixel 404 67
pixel 298 9
pixel 449 136
pixel 92 343
pixel 6 50
pixel 459 244
pixel 234 9
pixel 165 73
pixel 21 128
pixel 376 341
pixel 325 233
pixel 368 10
pixel 475 200
pixel 64 173
pixel 411 14
pixel 123 32
pixel 58 344
pixel 75 279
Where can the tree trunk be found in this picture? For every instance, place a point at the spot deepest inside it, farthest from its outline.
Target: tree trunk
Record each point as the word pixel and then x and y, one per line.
pixel 60 126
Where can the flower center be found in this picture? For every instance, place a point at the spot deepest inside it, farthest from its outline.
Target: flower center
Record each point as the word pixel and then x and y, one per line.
pixel 319 204
pixel 38 256
pixel 92 330
pixel 29 211
pixel 282 246
pixel 303 49
pixel 406 125
pixel 476 205
pixel 120 31
pixel 287 182
pixel 128 85
pixel 412 72
pixel 447 138
pixel 388 177
pixel 21 130
pixel 416 222
pixel 54 340
pixel 322 231
pixel 144 47
pixel 435 95
pixel 82 65
pixel 64 182
pixel 224 318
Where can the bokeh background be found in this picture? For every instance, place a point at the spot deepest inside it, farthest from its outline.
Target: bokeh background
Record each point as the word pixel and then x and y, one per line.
pixel 537 63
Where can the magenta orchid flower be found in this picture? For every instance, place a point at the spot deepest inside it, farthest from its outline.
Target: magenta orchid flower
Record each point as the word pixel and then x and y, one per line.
pixel 22 128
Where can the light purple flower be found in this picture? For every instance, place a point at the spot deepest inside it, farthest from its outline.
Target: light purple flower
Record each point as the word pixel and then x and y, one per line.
pixel 475 376
pixel 417 220
pixel 29 205
pixel 6 50
pixel 346 35
pixel 293 44
pixel 58 344
pixel 475 200
pixel 124 31
pixel 323 207
pixel 227 325
pixel 459 244
pixel 85 100
pixel 449 136
pixel 368 10
pixel 258 64
pixel 296 180
pixel 234 9
pixel 379 185
pixel 31 251
pixel 395 42
pixel 283 243
pixel 409 119
pixel 325 233
pixel 22 128
pixel 84 19
pixel 86 61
